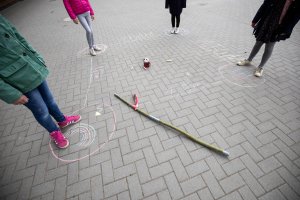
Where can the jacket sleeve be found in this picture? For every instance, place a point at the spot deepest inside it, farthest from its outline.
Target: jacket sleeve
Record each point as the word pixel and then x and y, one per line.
pixel 8 93
pixel 292 18
pixel 261 11
pixel 69 9
pixel 167 4
pixel 183 3
pixel 91 9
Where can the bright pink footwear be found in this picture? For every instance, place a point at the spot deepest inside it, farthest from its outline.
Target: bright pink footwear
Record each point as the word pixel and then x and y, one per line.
pixel 59 139
pixel 69 120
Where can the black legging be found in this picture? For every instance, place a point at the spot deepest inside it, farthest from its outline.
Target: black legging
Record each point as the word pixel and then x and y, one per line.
pixel 177 20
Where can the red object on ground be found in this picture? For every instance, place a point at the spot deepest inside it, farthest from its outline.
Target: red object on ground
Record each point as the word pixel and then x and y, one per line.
pixel 136 102
pixel 146 63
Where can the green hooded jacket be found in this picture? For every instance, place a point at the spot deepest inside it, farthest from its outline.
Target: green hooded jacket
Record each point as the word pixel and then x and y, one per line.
pixel 22 69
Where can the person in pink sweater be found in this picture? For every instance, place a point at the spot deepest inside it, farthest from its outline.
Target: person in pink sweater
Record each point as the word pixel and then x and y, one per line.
pixel 82 11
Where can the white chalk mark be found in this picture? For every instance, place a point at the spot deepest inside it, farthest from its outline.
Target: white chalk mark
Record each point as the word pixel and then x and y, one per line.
pixel 97 114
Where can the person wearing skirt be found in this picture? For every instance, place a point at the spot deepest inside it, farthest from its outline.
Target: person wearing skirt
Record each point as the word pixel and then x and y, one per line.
pixel 175 8
pixel 273 22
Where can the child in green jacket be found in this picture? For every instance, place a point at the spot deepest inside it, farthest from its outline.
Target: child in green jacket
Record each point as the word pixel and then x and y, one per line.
pixel 22 82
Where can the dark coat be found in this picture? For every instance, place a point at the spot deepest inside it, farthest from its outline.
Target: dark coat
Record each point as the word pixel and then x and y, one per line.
pixel 175 6
pixel 267 22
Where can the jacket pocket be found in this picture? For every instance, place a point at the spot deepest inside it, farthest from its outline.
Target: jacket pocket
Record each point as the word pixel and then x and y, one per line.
pixel 23 75
pixel 12 68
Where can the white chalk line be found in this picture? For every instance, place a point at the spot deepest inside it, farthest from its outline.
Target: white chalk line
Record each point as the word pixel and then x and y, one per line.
pixel 87 135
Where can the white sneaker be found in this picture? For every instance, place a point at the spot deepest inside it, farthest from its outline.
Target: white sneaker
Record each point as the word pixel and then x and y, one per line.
pixel 243 62
pixel 97 48
pixel 92 52
pixel 258 72
pixel 177 30
pixel 172 30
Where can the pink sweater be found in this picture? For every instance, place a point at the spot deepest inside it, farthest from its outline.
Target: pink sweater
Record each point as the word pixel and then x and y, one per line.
pixel 77 7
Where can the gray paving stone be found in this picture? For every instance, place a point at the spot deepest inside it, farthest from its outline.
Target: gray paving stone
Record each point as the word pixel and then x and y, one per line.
pixel 197 168
pixel 115 188
pixel 271 181
pixel 232 183
pixel 269 164
pixel 173 186
pixel 274 195
pixel 252 166
pixel 213 185
pixel 291 180
pixel 252 183
pixel 205 194
pixel 164 195
pixel 268 150
pixel 135 188
pixel 179 169
pixel 42 189
pixel 192 185
pixel 288 164
pixel 215 167
pixel 153 186
pixel 108 172
pixel 246 193
pixel 288 192
pixel 183 155
pixel 233 196
pixel 60 188
pixel 233 166
pixel 143 171
pixel 116 158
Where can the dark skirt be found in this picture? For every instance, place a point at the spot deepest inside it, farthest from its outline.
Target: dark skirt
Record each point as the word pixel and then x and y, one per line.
pixel 268 27
pixel 175 7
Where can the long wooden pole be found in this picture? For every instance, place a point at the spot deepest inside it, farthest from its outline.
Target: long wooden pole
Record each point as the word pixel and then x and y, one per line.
pixel 212 147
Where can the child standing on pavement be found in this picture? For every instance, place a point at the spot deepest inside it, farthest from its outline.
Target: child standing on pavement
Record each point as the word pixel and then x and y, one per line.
pixel 23 75
pixel 274 21
pixel 81 10
pixel 175 8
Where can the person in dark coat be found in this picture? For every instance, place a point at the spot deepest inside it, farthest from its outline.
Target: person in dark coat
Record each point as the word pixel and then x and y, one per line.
pixel 175 8
pixel 274 21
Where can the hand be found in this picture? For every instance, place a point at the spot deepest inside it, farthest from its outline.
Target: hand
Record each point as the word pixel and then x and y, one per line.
pixel 93 17
pixel 22 100
pixel 253 24
pixel 75 21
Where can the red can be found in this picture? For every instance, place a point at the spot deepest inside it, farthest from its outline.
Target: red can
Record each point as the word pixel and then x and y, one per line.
pixel 146 63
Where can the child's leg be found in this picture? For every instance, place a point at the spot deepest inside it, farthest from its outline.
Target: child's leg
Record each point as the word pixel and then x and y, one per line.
pixel 86 25
pixel 89 21
pixel 50 102
pixel 177 20
pixel 173 20
pixel 40 111
pixel 255 50
pixel 267 53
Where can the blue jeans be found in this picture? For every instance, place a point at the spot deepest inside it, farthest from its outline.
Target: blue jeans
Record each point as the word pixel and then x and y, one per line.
pixel 42 105
pixel 85 21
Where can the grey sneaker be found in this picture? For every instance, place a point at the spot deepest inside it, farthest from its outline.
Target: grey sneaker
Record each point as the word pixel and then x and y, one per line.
pixel 172 31
pixel 258 72
pixel 176 30
pixel 243 62
pixel 97 48
pixel 92 52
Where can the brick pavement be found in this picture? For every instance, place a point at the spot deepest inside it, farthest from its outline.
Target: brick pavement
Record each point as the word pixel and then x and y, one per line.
pixel 200 90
